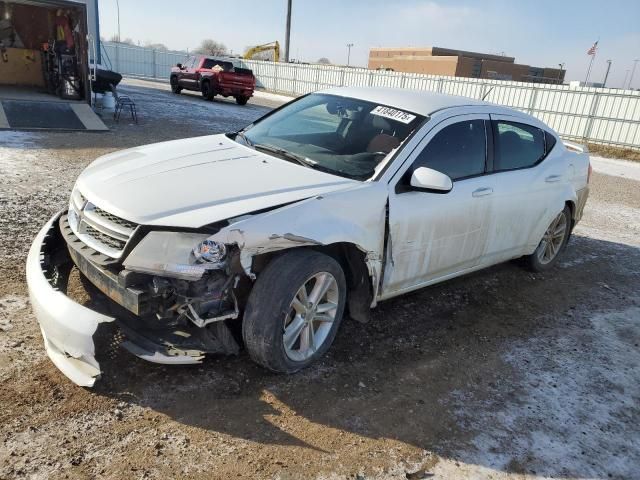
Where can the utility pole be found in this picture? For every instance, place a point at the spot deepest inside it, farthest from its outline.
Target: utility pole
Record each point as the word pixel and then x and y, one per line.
pixel 287 38
pixel 635 62
pixel 606 75
pixel 349 45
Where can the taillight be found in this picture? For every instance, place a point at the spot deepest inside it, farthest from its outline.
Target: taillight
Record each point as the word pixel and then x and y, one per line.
pixel 589 173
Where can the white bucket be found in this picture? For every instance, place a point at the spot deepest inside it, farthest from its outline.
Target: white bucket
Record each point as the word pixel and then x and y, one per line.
pixel 108 102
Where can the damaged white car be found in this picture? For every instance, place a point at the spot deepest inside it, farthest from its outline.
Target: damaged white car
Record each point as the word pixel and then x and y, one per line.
pixel 267 237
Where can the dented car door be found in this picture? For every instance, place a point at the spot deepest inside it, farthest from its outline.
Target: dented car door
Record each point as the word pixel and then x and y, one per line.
pixel 433 234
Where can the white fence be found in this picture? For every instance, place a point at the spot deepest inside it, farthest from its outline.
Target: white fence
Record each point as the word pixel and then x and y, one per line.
pixel 598 115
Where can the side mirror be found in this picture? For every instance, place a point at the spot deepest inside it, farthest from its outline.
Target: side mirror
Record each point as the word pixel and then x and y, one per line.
pixel 424 178
pixel 179 65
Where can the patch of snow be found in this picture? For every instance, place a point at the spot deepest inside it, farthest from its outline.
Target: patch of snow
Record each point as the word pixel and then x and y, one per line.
pixel 616 168
pixel 13 139
pixel 573 412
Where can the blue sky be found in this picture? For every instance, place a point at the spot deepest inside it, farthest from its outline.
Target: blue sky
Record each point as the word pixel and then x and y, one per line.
pixel 540 32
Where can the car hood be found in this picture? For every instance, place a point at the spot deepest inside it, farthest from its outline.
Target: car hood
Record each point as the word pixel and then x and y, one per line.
pixel 196 181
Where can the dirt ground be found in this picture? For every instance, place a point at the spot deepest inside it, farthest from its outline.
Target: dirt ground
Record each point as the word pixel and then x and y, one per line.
pixel 500 374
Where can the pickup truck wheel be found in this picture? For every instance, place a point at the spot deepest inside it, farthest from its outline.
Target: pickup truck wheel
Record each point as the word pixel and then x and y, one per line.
pixel 294 310
pixel 175 88
pixel 553 242
pixel 207 91
pixel 240 100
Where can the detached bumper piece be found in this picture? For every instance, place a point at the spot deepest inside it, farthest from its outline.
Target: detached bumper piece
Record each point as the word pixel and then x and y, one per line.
pixel 68 328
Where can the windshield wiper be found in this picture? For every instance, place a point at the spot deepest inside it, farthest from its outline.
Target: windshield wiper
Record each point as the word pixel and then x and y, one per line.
pixel 264 147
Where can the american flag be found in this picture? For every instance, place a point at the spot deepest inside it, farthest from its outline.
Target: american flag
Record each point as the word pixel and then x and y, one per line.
pixel 592 50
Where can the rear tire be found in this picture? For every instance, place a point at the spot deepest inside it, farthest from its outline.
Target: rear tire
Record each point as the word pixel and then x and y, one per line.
pixel 207 91
pixel 280 310
pixel 242 100
pixel 175 88
pixel 552 244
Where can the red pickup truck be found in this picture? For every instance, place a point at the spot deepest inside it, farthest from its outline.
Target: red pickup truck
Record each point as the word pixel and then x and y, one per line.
pixel 213 76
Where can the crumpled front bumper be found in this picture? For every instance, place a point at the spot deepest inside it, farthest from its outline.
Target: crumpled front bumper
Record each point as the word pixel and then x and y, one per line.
pixel 67 327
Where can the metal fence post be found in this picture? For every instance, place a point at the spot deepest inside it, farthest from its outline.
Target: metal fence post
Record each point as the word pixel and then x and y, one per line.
pixel 590 119
pixel 344 71
pixel 532 102
pixel 275 76
pixel 370 78
pixel 155 64
pixel 440 81
pixel 317 78
pixel 295 78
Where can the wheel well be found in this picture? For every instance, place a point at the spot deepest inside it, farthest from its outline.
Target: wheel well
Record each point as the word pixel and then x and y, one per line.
pixel 353 263
pixel 572 209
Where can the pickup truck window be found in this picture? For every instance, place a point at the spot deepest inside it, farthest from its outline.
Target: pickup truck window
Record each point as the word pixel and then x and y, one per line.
pixel 212 62
pixel 517 145
pixel 458 150
pixel 341 135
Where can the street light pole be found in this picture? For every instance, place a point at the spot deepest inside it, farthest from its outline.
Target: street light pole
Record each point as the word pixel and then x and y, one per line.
pixel 561 65
pixel 119 38
pixel 606 75
pixel 635 62
pixel 624 82
pixel 349 45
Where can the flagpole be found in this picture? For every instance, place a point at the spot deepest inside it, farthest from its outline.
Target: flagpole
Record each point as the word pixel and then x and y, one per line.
pixel 586 80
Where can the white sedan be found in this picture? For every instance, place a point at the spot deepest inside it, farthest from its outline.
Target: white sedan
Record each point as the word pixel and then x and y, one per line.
pixel 264 238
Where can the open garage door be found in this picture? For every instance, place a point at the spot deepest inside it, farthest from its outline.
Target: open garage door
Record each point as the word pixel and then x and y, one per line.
pixel 44 60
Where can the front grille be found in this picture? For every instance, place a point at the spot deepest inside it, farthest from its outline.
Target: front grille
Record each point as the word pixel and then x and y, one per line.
pixel 97 228
pixel 104 238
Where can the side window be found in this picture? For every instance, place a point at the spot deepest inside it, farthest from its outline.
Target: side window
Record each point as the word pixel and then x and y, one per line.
pixel 459 150
pixel 517 145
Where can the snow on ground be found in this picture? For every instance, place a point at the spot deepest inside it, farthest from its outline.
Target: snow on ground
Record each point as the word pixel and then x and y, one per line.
pixel 618 168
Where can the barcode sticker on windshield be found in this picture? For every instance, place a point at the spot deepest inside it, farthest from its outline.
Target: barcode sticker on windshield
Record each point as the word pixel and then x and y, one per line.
pixel 393 114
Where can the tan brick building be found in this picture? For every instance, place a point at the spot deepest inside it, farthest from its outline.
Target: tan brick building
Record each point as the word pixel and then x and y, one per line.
pixel 460 63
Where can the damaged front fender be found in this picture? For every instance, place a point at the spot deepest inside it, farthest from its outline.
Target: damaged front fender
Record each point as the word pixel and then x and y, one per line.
pixel 355 216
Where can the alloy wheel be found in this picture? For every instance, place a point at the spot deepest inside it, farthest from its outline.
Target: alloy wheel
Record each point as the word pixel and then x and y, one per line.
pixel 311 314
pixel 552 240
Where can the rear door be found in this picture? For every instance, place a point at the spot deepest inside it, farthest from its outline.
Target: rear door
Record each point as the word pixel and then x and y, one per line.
pixel 528 187
pixel 434 235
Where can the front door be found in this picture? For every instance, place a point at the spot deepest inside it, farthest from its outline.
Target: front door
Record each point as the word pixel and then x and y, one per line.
pixel 434 235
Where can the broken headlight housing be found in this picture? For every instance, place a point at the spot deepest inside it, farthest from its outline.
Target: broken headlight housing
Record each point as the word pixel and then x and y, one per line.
pixel 172 254
pixel 210 251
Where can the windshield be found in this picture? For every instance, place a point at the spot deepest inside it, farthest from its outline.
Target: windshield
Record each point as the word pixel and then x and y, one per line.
pixel 340 135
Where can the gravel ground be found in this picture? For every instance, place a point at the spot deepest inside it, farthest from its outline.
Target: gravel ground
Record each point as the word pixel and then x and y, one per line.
pixel 499 374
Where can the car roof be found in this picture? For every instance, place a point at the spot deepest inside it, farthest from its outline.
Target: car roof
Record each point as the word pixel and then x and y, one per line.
pixel 417 101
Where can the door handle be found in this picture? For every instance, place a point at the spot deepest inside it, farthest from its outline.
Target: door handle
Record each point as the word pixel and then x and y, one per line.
pixel 482 192
pixel 553 178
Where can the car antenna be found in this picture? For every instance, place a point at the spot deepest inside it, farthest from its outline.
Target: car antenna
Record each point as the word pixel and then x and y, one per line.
pixel 487 93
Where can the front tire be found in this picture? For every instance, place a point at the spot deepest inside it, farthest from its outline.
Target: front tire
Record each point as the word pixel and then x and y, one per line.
pixel 294 310
pixel 553 242
pixel 207 91
pixel 175 88
pixel 242 100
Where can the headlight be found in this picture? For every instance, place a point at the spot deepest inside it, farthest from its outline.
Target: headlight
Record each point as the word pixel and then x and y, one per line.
pixel 172 254
pixel 210 251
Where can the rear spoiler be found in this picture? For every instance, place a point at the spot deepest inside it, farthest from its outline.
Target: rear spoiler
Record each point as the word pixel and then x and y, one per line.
pixel 576 147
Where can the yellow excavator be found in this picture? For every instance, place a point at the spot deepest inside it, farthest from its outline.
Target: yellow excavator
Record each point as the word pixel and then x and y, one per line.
pixel 267 47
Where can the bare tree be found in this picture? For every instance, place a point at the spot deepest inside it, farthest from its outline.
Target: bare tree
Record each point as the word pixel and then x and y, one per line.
pixel 156 46
pixel 324 61
pixel 211 47
pixel 116 39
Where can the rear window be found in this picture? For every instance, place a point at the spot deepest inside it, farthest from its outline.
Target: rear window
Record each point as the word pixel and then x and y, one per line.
pixel 517 145
pixel 212 62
